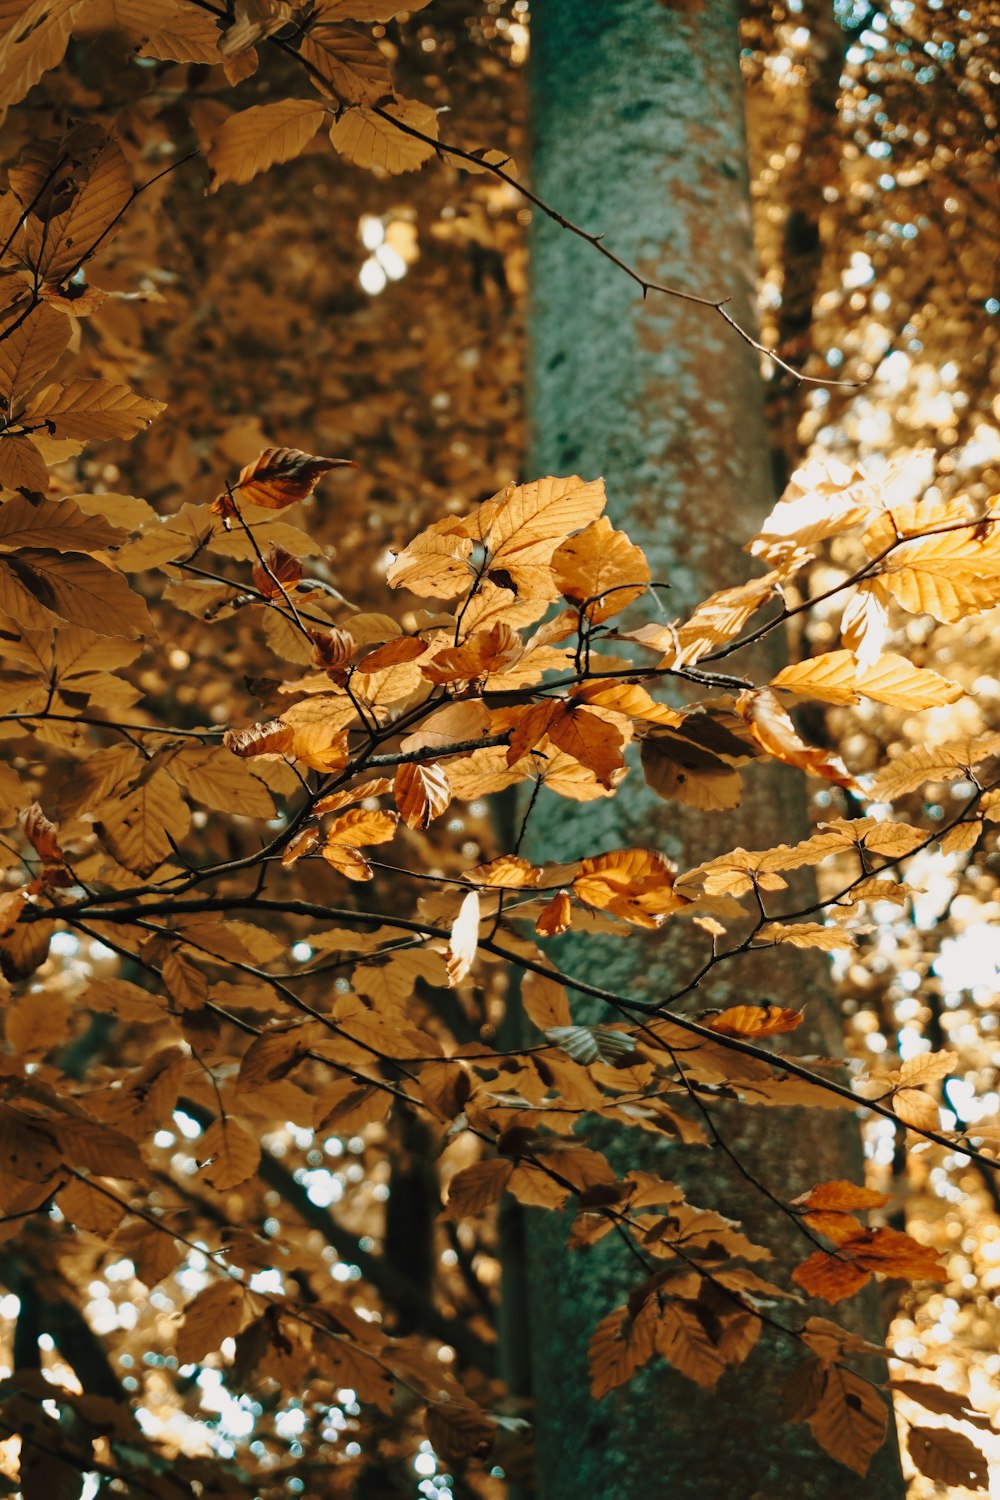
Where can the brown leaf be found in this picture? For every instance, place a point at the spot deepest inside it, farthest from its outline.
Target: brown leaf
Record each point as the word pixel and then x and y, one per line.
pixel 948 1457
pixel 851 1419
pixel 214 1315
pixel 475 1188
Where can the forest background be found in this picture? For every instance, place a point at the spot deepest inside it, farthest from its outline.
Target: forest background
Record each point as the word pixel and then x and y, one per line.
pixel 379 316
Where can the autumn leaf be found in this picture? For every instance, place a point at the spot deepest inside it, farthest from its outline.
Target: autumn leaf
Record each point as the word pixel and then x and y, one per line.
pixel 754 1020
pixel 636 884
pixel 230 1154
pixel 851 1419
pixel 838 678
pixel 260 137
pixel 422 792
pixel 279 477
pixel 601 569
pixel 474 1188
pixel 90 409
pixel 214 1315
pixel 371 135
pixel 948 1457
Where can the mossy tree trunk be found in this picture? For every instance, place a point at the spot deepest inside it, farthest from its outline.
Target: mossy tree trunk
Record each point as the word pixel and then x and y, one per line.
pixel 638 133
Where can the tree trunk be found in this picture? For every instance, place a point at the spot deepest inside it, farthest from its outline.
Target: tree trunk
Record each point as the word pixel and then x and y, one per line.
pixel 638 133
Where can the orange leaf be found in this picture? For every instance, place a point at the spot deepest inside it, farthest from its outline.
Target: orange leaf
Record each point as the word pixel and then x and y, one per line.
pixel 357 828
pixel 278 568
pixel 841 1197
pixel 774 731
pixel 636 884
pixel 754 1020
pixel 556 916
pixel 830 1277
pixel 393 653
pixel 602 566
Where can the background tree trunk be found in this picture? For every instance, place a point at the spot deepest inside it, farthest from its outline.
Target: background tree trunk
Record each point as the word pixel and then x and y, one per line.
pixel 638 133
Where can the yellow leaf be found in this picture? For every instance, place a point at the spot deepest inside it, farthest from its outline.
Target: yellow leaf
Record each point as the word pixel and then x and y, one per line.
pixel 260 137
pixel 351 65
pixel 775 732
pixel 217 778
pixel 836 678
pixel 89 409
pixel 370 137
pixel 141 826
pixel 821 500
pixel 214 1315
pixel 44 588
pixel 29 352
pixel 556 916
pixel 950 762
pixel 636 884
pixel 805 935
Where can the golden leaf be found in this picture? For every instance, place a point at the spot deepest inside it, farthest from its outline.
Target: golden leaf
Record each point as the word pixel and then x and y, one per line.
pixel 805 935
pixel 636 884
pixel 545 1001
pixel 370 137
pixel 41 588
pixel 141 826
pixel 619 1346
pixel 258 138
pixel 600 568
pixel 837 678
pixel 351 65
pixel 214 1315
pixel 684 1341
pixel 950 762
pixel 216 777
pixel 88 1208
pixel 29 352
pixel 754 1020
pixel 775 732
pixel 556 916
pixel 185 980
pixel 89 409
pixel 459 1430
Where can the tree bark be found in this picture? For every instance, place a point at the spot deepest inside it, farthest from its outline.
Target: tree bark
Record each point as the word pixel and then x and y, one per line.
pixel 638 133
